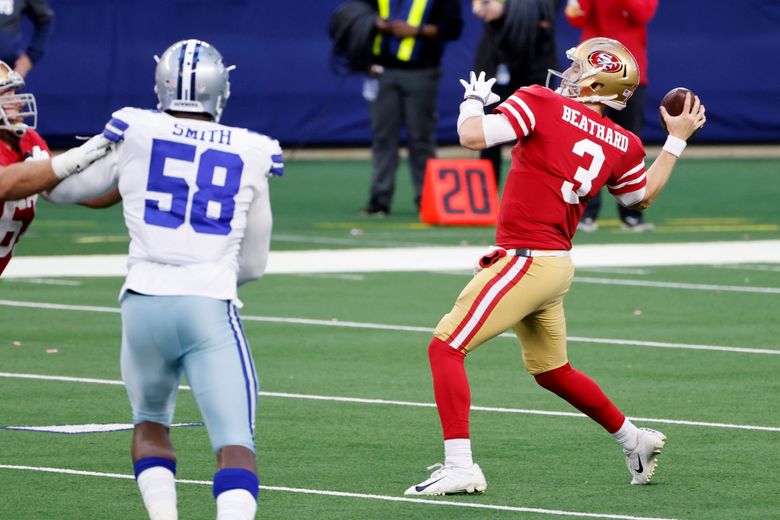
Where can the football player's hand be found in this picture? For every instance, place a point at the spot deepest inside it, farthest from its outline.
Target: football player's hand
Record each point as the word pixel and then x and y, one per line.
pixel 77 159
pixel 480 89
pixel 688 122
pixel 491 256
pixel 37 154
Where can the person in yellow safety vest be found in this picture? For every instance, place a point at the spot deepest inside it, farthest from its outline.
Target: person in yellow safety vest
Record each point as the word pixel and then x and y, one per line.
pixel 401 88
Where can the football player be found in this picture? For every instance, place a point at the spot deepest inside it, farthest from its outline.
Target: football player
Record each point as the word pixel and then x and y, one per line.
pixel 565 152
pixel 196 205
pixel 19 184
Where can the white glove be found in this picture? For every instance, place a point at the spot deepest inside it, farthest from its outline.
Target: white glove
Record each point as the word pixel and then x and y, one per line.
pixel 478 88
pixel 77 159
pixel 491 256
pixel 37 154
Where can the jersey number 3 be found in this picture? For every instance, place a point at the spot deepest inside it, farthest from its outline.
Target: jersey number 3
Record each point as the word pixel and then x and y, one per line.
pixel 584 176
pixel 217 181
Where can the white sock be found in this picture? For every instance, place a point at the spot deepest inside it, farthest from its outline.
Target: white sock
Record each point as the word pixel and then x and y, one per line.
pixel 236 504
pixel 158 489
pixel 627 436
pixel 457 452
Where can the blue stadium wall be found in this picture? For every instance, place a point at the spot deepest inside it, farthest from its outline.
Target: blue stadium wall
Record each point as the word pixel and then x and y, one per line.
pixel 100 59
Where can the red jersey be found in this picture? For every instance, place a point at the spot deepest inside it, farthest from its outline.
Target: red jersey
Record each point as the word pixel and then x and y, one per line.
pixel 622 20
pixel 565 154
pixel 16 215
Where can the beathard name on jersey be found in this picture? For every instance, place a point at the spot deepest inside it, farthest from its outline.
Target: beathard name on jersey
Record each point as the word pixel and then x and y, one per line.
pixel 221 135
pixel 595 129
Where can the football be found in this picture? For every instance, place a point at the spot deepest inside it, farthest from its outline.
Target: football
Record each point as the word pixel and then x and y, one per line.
pixel 673 103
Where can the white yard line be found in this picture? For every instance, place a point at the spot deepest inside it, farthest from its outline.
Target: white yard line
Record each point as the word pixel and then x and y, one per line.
pixel 407 328
pixel 347 494
pixel 410 404
pixel 427 259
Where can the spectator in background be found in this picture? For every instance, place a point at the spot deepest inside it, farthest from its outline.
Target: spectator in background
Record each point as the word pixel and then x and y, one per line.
pixel 517 47
pixel 402 87
pixel 625 21
pixel 12 50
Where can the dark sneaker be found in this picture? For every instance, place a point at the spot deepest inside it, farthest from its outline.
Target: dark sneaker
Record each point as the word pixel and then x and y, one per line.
pixel 587 225
pixel 637 225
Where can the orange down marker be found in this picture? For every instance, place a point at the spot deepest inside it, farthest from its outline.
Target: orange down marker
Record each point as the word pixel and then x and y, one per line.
pixel 459 192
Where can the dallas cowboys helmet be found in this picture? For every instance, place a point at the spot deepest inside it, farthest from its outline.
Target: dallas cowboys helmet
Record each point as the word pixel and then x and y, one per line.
pixel 190 77
pixel 18 112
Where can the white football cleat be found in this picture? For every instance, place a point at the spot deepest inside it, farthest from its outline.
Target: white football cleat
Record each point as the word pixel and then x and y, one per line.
pixel 450 480
pixel 643 459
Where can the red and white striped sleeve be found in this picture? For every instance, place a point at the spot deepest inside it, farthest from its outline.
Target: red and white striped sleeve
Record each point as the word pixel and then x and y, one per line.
pixel 517 109
pixel 628 183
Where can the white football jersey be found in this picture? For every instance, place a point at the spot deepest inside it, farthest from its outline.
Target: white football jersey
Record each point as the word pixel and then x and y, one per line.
pixel 195 196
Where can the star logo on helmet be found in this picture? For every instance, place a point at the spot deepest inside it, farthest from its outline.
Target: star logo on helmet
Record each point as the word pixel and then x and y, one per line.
pixel 606 61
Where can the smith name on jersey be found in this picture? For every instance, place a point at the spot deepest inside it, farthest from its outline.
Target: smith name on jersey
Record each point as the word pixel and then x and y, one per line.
pixel 194 194
pixel 545 192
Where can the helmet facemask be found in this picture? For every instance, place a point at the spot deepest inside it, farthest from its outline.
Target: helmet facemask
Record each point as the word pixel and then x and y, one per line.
pixel 18 112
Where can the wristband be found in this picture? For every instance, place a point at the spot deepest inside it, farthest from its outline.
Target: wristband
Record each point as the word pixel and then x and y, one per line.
pixel 470 108
pixel 61 167
pixel 674 145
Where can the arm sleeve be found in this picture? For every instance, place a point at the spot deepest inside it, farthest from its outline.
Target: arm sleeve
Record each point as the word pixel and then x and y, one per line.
pixel 517 110
pixel 497 129
pixel 256 243
pixel 100 177
pixel 628 183
pixel 42 17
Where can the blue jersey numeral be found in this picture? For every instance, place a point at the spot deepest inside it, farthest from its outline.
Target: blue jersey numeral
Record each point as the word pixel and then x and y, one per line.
pixel 207 190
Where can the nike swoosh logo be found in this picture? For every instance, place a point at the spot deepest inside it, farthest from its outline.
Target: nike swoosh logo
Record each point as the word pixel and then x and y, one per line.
pixel 422 488
pixel 639 468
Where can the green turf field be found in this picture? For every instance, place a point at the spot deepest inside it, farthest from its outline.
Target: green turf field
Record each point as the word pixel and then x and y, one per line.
pixel 316 206
pixel 346 419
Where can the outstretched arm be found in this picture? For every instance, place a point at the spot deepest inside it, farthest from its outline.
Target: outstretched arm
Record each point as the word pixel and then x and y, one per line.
pixel 476 130
pixel 680 128
pixel 27 178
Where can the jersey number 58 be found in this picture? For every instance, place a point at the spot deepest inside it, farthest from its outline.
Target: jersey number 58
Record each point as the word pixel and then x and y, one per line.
pixel 217 181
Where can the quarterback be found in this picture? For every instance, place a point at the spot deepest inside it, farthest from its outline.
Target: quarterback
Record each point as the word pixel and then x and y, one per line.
pixel 565 152
pixel 196 205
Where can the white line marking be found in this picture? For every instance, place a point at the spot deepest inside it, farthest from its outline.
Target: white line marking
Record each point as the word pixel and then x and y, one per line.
pixel 424 258
pixel 359 400
pixel 324 492
pixel 674 285
pixel 45 281
pixel 747 267
pixel 409 328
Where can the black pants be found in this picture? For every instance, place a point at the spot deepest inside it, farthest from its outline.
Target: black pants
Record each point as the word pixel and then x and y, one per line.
pixel 631 118
pixel 406 98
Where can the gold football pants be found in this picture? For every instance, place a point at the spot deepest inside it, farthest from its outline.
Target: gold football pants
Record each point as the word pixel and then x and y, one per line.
pixel 524 293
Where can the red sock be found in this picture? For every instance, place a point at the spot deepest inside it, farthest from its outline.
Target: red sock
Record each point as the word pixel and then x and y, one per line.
pixel 451 388
pixel 584 394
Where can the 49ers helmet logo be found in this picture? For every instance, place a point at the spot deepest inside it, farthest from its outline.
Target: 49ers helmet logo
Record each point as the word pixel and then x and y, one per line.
pixel 607 61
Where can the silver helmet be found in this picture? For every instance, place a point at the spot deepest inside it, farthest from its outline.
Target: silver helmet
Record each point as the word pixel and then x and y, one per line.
pixel 190 77
pixel 18 112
